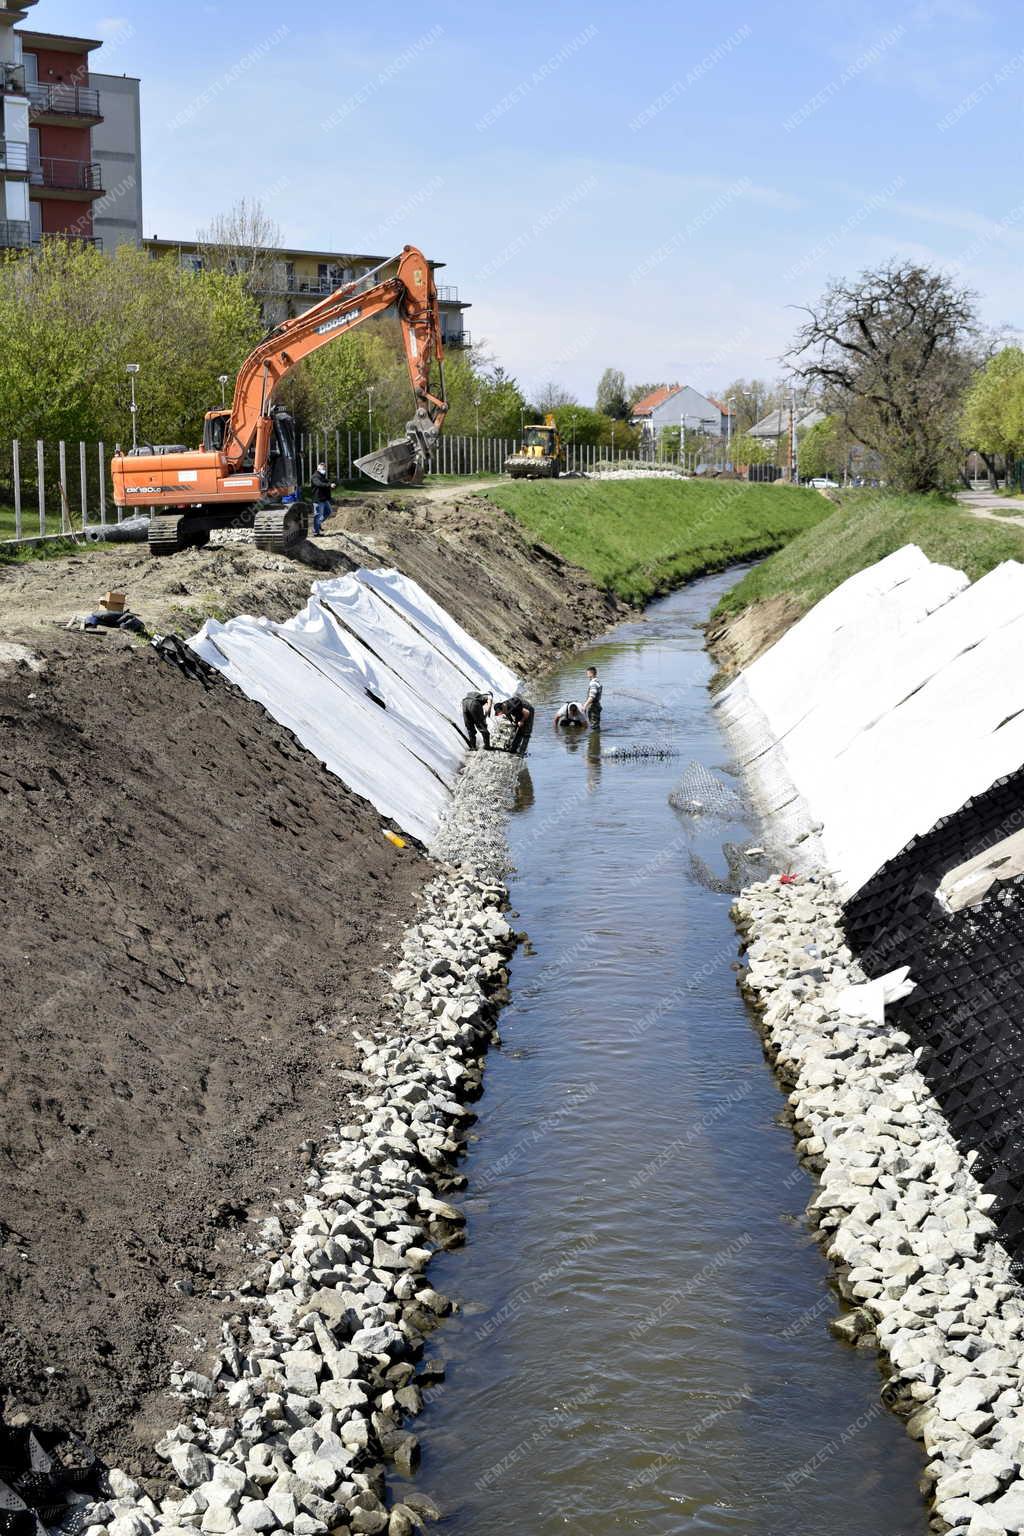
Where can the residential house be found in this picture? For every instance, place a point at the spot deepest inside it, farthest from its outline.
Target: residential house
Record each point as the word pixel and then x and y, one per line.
pixel 674 405
pixel 775 426
pixel 299 279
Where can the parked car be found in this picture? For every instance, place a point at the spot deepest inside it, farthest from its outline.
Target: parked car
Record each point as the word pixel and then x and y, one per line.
pixel 823 483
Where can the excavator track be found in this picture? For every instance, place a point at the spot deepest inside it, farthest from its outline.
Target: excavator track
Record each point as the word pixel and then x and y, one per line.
pixel 165 535
pixel 277 528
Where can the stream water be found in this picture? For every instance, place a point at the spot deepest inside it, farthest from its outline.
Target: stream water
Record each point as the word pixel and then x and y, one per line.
pixel 643 1343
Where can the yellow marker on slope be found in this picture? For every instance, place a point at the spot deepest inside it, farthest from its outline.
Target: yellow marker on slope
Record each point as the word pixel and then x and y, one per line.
pixel 393 837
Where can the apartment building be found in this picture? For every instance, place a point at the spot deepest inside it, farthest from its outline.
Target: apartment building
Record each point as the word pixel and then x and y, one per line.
pixel 71 152
pixel 15 222
pixel 296 280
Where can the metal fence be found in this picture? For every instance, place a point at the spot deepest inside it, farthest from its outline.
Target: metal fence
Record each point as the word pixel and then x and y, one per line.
pixel 52 488
pixel 48 488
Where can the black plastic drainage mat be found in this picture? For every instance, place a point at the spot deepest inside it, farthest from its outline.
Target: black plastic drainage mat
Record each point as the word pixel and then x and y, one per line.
pixel 965 1013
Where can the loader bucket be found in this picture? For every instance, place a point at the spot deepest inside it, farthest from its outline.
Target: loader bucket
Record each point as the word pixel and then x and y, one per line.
pixel 397 463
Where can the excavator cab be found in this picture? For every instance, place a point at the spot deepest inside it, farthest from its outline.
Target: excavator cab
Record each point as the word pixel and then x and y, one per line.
pixel 215 426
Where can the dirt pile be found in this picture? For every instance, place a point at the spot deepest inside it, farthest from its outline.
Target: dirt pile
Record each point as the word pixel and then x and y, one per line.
pixel 522 598
pixel 194 913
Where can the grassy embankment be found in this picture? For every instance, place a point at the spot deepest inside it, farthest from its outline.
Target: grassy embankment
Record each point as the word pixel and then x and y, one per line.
pixel 638 538
pixel 863 527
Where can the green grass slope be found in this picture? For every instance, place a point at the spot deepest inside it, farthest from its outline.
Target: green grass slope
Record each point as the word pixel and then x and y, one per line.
pixel 641 537
pixel 864 527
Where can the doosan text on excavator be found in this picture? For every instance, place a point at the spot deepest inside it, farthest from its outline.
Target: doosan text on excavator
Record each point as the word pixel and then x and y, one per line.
pixel 246 472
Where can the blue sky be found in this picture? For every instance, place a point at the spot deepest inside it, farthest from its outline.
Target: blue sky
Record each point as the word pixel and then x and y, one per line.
pixel 649 187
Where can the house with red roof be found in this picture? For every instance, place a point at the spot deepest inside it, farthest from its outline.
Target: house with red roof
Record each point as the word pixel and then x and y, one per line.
pixel 674 405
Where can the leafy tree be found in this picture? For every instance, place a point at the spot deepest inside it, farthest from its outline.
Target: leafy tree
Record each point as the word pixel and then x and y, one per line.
pixel 611 394
pixel 585 427
pixel 892 353
pixel 71 318
pixel 993 417
pixel 750 450
pixel 822 449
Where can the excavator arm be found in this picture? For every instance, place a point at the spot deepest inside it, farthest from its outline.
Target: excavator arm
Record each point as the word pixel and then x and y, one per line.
pixel 405 281
pixel 246 467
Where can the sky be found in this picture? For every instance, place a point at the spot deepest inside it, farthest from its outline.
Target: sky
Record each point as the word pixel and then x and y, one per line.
pixel 654 188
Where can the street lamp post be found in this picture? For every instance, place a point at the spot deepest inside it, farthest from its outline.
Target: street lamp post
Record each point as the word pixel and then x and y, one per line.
pixel 369 408
pixel 132 369
pixel 728 431
pixel 222 380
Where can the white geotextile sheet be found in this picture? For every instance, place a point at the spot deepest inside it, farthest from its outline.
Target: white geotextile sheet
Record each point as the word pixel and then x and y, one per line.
pixel 480 666
pixel 353 737
pixel 375 694
pixel 398 644
pixel 321 639
pixel 885 708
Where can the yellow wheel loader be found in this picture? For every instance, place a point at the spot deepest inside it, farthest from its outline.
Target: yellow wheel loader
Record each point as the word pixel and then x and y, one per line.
pixel 540 457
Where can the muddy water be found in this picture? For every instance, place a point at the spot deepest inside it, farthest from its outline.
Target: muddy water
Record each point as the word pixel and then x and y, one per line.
pixel 643 1345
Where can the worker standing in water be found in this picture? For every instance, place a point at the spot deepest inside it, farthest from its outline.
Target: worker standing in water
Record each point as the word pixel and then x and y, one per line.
pixel 521 713
pixel 476 707
pixel 594 692
pixel 322 488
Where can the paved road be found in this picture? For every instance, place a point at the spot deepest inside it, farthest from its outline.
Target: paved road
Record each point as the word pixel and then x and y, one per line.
pixel 990 504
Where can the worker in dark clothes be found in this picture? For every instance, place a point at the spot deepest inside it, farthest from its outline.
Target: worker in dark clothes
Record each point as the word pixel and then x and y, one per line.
pixel 476 707
pixel 520 712
pixel 322 488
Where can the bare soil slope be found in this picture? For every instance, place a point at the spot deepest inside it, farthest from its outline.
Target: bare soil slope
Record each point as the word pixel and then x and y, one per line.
pixel 194 913
pixel 522 598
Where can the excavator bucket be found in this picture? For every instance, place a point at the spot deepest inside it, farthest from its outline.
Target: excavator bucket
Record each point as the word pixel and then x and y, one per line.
pixel 398 463
pixel 404 460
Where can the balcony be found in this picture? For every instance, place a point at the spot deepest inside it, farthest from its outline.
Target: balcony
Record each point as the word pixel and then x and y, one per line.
pixel 69 104
pixel 12 79
pixel 447 293
pixel 457 339
pixel 15 234
pixel 13 157
pixel 74 179
pixel 69 238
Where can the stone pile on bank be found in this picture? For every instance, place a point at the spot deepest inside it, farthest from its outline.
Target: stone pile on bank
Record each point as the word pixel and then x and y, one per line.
pixel 311 1389
pixel 898 1211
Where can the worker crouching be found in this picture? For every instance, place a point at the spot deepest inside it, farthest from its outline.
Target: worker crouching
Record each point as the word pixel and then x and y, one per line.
pixel 520 713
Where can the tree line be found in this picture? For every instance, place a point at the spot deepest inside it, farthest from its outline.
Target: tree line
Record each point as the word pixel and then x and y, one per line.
pixel 896 360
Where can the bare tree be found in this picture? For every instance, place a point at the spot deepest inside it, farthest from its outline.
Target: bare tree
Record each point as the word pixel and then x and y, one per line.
pixel 891 355
pixel 552 397
pixel 242 241
pixel 752 399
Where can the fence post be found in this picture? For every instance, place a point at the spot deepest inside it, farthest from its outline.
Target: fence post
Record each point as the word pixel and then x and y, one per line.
pixel 62 485
pixel 82 481
pixel 102 468
pixel 16 477
pixel 41 485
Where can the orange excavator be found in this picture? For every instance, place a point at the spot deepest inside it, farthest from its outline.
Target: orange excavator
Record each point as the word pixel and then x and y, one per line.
pixel 246 473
